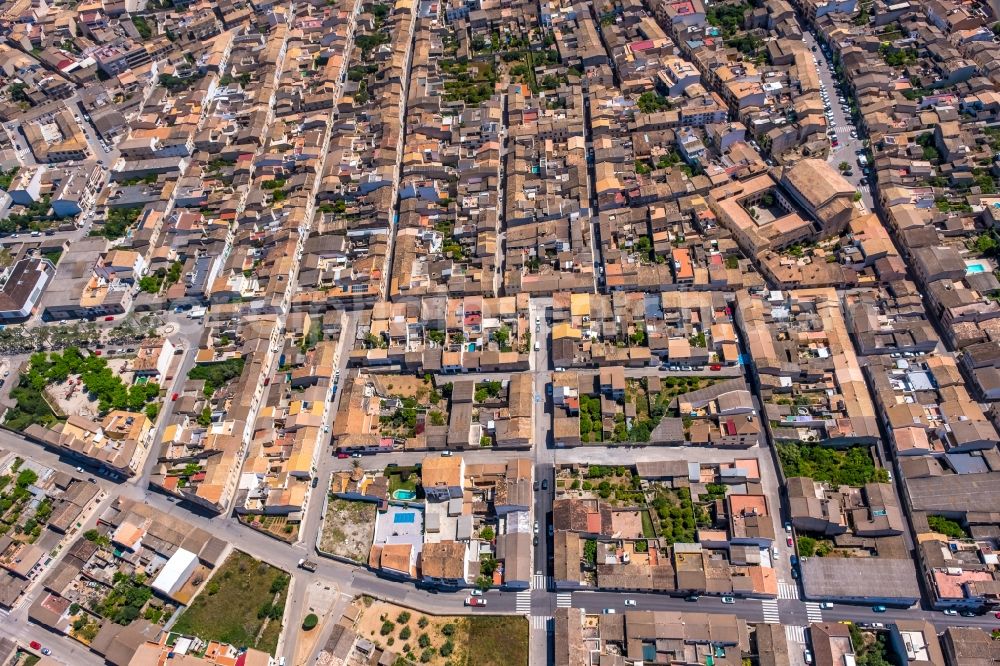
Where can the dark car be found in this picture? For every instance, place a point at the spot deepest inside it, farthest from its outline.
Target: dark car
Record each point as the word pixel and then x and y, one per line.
pixel 692 597
pixel 545 484
pixel 315 481
pixel 535 486
pixel 535 540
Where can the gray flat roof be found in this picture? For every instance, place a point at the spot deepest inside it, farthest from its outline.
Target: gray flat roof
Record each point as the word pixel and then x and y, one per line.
pixel 859 578
pixel 954 492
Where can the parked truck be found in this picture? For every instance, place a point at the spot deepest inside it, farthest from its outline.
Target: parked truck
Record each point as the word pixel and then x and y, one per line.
pixel 308 565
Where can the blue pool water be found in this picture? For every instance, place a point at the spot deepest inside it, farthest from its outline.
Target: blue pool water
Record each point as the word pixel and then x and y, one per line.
pixel 400 518
pixel 403 494
pixel 973 269
pixel 472 346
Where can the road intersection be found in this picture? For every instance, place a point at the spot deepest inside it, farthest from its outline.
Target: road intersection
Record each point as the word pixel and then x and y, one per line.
pixel 539 603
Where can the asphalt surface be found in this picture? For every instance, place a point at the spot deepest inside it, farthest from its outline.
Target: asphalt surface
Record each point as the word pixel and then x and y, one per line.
pixel 843 124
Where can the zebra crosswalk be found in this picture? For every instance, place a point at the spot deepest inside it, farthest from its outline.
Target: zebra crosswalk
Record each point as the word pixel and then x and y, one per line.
pixel 787 590
pixel 539 582
pixel 564 600
pixel 813 612
pixel 540 622
pixel 795 634
pixel 523 601
pixel 770 608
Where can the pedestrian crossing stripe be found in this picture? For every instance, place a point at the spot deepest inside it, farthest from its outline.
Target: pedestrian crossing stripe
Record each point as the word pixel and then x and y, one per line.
pixel 813 612
pixel 539 582
pixel 540 622
pixel 787 590
pixel 770 609
pixel 523 601
pixel 564 600
pixel 795 634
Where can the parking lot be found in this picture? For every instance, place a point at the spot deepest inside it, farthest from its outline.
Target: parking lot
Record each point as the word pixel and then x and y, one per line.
pixel 846 142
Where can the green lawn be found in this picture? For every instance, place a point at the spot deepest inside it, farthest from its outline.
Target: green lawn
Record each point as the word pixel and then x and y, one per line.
pixel 396 481
pixel 647 525
pixel 497 639
pixel 235 602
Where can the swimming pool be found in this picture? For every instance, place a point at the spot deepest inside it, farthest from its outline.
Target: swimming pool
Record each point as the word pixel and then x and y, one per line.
pixel 403 494
pixel 974 268
pixel 404 518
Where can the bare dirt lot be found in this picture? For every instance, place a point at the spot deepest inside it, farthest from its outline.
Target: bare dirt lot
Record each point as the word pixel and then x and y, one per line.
pixel 348 528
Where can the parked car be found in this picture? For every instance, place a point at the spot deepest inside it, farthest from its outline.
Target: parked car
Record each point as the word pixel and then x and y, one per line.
pixel 315 481
pixel 950 611
pixel 808 656
pixel 475 601
pixel 609 611
pixel 826 605
pixel 173 398
pixel 342 455
pixel 535 486
pixel 630 602
pixel 728 600
pixel 355 455
pixel 536 527
pixel 879 609
pixel 35 645
pixel 788 540
pixel 545 484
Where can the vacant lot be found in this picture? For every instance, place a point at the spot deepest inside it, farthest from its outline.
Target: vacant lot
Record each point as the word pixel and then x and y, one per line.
pixel 852 466
pixel 241 604
pixel 477 640
pixel 348 529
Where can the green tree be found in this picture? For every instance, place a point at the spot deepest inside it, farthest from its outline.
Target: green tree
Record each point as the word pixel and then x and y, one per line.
pixel 590 552
pixel 807 546
pixel 986 243
pixel 946 526
pixel 651 102
pixel 310 622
